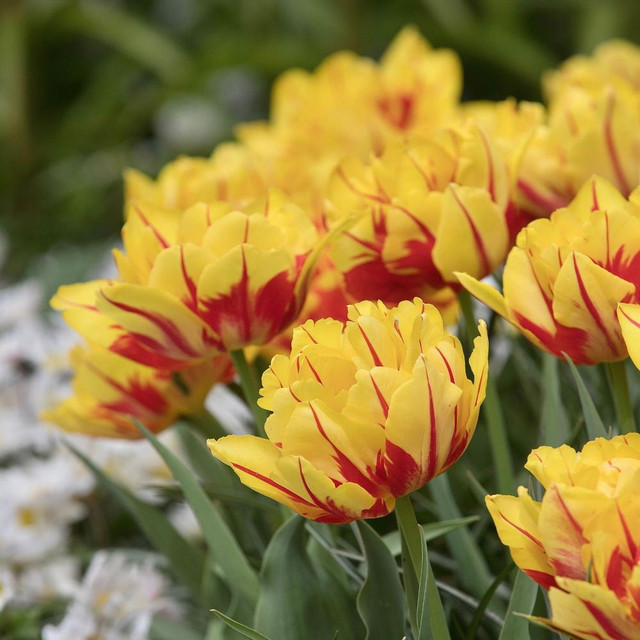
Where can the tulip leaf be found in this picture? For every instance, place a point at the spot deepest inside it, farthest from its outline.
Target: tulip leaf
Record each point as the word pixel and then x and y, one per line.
pixel 431 620
pixel 247 632
pixel 554 422
pixel 298 594
pixel 593 421
pixel 186 561
pixel 380 601
pixel 220 540
pixel 523 599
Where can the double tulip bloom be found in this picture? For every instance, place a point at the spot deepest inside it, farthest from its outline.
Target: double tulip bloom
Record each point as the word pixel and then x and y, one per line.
pixel 109 390
pixel 570 281
pixel 362 413
pixel 426 210
pixel 582 540
pixel 213 278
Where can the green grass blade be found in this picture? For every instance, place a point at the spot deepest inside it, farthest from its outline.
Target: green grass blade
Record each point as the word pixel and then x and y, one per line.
pixel 380 601
pixel 523 598
pixel 247 632
pixel 594 424
pixel 220 540
pixel 554 421
pixel 186 561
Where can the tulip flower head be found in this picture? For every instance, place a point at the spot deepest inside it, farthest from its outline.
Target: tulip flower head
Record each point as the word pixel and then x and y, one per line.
pixel 110 390
pixel 363 413
pixel 565 277
pixel 594 106
pixel 426 210
pixel 582 540
pixel 232 278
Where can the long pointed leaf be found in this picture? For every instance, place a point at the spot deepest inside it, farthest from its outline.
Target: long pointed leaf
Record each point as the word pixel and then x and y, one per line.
pixel 221 541
pixel 186 561
pixel 593 421
pixel 554 422
pixel 522 601
pixel 247 632
pixel 380 601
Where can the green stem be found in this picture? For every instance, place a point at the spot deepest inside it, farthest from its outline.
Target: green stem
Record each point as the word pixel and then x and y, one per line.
pixel 621 399
pixel 250 387
pixel 410 532
pixel 498 440
pixel 206 424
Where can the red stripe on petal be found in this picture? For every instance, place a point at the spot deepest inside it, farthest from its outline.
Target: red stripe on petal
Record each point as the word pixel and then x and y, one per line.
pixel 477 238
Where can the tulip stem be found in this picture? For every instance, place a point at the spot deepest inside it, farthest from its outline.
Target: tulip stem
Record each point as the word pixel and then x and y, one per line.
pixel 206 424
pixel 617 375
pixel 423 599
pixel 250 387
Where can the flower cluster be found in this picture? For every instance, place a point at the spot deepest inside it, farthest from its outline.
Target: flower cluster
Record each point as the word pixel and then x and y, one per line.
pixel 582 540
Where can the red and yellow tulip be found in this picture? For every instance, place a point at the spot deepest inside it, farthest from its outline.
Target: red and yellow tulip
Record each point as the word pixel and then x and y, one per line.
pixel 425 211
pixel 231 278
pixel 109 390
pixel 565 277
pixel 582 540
pixel 362 413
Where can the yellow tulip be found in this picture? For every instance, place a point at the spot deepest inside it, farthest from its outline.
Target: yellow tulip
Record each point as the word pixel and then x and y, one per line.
pixel 231 278
pixel 109 390
pixel 426 210
pixel 582 540
pixel 362 413
pixel 565 277
pixel 594 106
pixel 231 174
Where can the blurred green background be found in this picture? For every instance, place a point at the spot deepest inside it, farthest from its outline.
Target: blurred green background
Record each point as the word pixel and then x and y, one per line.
pixel 90 87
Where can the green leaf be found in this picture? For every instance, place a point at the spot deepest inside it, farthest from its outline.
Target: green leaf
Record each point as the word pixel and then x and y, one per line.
pixel 186 561
pixel 472 566
pixel 299 599
pixel 523 598
pixel 595 426
pixel 554 422
pixel 430 616
pixel 220 540
pixel 380 600
pixel 429 531
pixel 247 632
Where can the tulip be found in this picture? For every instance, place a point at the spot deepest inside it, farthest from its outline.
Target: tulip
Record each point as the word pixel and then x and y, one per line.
pixel 362 413
pixel 594 106
pixel 565 277
pixel 109 390
pixel 233 278
pixel 582 540
pixel 425 211
pixel 231 174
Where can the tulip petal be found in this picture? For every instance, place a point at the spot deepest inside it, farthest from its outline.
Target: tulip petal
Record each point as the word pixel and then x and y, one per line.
pixel 472 236
pixel 588 611
pixel 246 296
pixel 158 321
pixel 586 297
pixel 516 520
pixel 629 319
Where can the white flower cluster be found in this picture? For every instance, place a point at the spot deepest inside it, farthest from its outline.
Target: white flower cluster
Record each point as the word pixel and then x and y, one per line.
pixel 46 489
pixel 117 600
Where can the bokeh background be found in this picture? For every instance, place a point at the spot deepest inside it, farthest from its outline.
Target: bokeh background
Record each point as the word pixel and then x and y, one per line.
pixel 90 87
